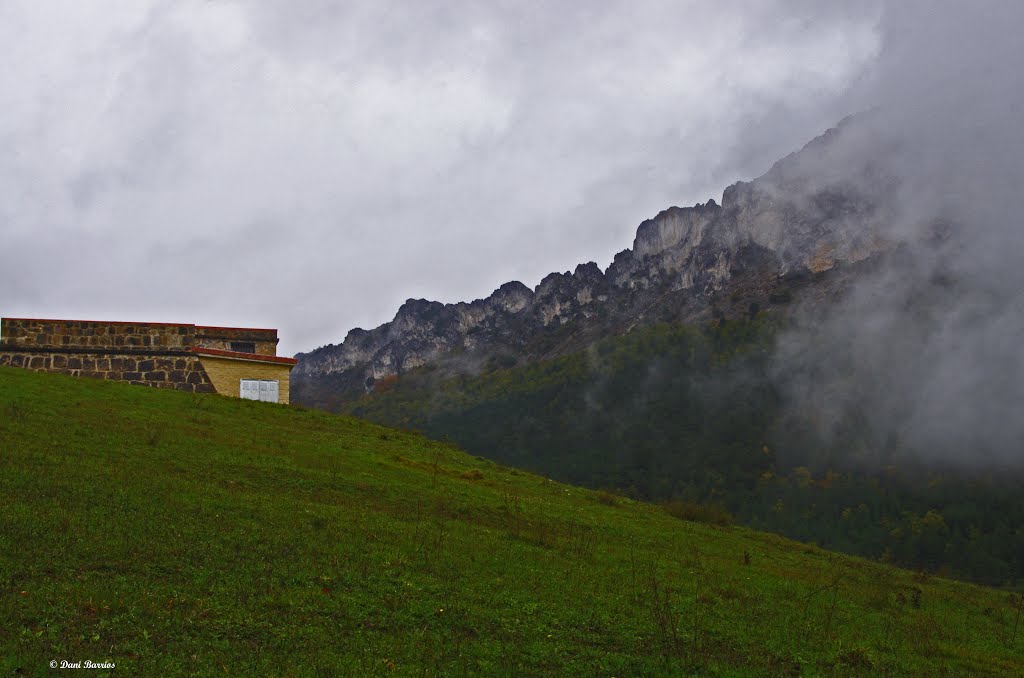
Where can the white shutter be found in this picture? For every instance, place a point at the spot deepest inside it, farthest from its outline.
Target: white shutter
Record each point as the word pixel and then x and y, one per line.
pixel 260 389
pixel 249 389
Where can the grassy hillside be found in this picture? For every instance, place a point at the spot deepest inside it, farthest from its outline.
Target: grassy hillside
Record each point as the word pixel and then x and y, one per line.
pixel 179 534
pixel 701 414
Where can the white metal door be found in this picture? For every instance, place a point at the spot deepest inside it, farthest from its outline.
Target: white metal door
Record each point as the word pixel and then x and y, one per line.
pixel 267 390
pixel 249 389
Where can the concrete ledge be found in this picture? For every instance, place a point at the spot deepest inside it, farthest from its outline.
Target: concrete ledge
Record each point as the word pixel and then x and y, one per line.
pixel 254 357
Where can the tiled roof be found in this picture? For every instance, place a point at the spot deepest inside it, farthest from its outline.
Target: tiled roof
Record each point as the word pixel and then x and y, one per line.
pixel 244 329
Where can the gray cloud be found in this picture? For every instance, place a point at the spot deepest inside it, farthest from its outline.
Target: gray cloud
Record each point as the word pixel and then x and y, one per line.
pixel 925 355
pixel 311 166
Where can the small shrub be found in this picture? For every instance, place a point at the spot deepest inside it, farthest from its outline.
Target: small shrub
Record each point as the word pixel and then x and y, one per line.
pixel 154 435
pixel 606 498
pixel 15 411
pixel 711 514
pixel 384 384
pixel 856 658
pixel 472 474
pixel 1019 603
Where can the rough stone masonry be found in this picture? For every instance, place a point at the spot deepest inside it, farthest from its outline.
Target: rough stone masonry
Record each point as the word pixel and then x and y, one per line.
pixel 149 354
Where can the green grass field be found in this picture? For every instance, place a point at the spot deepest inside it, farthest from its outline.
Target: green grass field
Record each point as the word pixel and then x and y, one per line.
pixel 177 534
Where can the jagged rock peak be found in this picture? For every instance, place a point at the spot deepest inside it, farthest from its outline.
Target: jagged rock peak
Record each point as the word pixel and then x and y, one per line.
pixel 511 288
pixel 511 297
pixel 589 271
pixel 674 226
pixel 417 306
pixel 814 208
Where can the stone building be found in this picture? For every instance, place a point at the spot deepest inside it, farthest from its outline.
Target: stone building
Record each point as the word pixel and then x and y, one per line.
pixel 235 361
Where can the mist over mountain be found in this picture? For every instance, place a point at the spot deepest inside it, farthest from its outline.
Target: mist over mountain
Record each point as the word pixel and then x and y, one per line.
pixel 831 351
pixel 793 221
pixel 893 240
pixel 926 351
pixel 905 315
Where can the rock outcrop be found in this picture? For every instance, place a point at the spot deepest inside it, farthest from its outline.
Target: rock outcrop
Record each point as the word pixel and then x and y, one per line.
pixel 814 210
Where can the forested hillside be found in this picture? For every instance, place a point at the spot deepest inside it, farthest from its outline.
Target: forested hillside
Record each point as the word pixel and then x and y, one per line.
pixel 698 414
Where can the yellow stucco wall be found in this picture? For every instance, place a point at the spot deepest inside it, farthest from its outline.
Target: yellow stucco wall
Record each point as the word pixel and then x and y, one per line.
pixel 227 373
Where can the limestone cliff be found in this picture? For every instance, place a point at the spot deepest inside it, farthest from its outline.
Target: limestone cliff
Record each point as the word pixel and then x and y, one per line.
pixel 813 211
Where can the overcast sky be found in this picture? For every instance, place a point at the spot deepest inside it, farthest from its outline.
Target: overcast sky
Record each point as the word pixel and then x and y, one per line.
pixel 310 165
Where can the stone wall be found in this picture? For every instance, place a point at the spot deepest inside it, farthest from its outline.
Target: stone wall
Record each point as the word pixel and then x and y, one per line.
pixel 166 369
pixel 227 338
pixel 151 354
pixel 91 334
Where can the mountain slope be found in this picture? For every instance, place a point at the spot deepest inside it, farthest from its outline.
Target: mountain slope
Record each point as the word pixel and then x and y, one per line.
pixel 171 533
pixel 815 211
pixel 698 413
pixel 893 362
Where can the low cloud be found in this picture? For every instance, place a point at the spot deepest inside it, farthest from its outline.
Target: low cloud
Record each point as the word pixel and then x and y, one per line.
pixel 923 357
pixel 393 149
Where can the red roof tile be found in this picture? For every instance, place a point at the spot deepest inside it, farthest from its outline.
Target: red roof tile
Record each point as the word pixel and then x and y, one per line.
pixel 246 329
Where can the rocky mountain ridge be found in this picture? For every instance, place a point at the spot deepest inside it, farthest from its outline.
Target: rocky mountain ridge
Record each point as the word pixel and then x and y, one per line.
pixel 813 211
